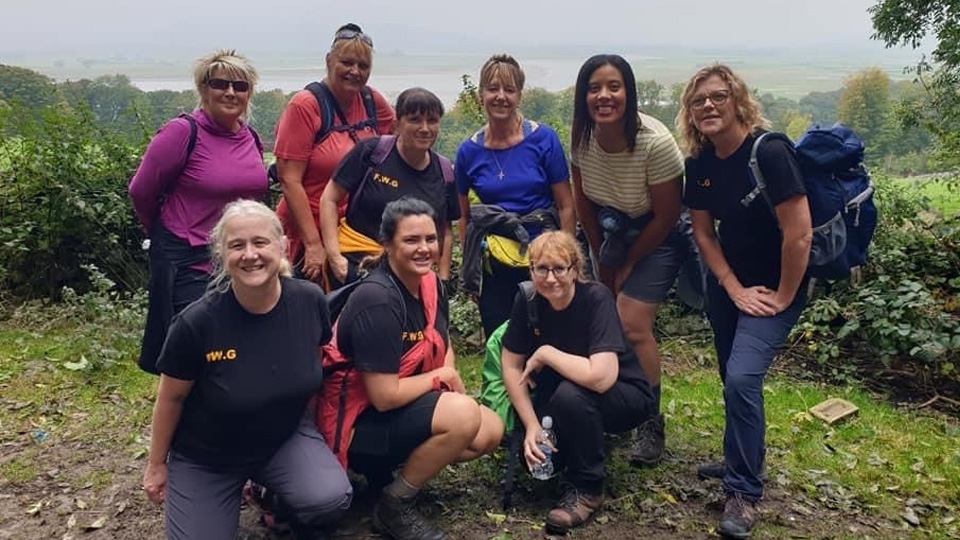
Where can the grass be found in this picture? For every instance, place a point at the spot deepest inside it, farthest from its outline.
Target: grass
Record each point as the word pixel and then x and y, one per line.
pixel 876 464
pixel 880 462
pixel 942 194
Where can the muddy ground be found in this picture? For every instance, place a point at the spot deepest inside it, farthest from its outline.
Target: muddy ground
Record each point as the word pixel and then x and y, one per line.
pixel 90 490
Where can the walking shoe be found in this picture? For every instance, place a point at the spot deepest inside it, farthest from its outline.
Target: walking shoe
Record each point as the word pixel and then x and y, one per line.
pixel 717 469
pixel 739 517
pixel 647 448
pixel 400 520
pixel 572 510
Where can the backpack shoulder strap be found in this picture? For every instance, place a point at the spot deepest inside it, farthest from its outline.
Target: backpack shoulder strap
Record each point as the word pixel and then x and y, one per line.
pixel 328 107
pixel 371 107
pixel 382 149
pixel 380 152
pixel 757 174
pixel 530 293
pixel 256 139
pixel 446 167
pixel 192 142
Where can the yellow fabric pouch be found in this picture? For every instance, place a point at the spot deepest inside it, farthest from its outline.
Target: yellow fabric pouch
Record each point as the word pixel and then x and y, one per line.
pixel 507 251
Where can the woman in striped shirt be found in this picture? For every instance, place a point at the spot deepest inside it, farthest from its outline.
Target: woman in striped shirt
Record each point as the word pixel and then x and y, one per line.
pixel 626 173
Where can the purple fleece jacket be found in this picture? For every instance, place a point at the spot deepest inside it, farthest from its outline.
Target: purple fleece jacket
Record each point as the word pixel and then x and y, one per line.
pixel 223 167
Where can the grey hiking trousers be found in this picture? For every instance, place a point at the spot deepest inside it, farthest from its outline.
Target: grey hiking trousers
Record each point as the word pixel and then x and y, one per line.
pixel 203 502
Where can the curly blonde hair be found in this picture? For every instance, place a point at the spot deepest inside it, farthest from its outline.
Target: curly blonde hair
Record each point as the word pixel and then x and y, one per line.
pixel 748 110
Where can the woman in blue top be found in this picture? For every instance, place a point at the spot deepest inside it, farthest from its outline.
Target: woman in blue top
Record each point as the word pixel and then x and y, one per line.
pixel 518 166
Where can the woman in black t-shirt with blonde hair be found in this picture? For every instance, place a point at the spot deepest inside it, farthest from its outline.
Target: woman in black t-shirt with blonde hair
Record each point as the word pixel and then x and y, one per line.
pixel 373 175
pixel 236 373
pixel 586 375
pixel 757 255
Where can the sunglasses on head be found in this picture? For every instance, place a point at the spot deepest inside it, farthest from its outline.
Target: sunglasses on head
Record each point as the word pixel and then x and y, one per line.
pixel 223 84
pixel 353 34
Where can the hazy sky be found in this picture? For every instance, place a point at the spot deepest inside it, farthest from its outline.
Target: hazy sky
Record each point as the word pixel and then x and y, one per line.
pixel 152 28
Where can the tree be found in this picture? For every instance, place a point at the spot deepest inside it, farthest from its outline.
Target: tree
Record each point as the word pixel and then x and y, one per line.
pixel 775 108
pixel 20 84
pixel 821 106
pixel 795 123
pixel 908 23
pixel 266 110
pixel 865 104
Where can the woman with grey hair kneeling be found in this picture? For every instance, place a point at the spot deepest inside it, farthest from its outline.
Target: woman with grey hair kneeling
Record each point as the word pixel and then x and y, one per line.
pixel 238 369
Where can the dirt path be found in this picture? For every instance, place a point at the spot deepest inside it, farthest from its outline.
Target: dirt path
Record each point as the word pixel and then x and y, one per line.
pixel 90 491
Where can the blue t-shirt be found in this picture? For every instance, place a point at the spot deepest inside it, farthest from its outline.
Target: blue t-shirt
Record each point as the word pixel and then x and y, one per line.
pixel 529 169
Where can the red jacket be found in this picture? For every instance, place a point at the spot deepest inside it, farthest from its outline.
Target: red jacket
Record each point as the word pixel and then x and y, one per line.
pixel 343 396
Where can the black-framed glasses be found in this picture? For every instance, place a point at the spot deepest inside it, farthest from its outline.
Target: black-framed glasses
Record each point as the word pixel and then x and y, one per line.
pixel 542 271
pixel 347 33
pixel 223 84
pixel 717 97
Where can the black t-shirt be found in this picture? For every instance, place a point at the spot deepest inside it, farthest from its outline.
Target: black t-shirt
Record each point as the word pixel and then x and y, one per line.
pixel 590 324
pixel 749 235
pixel 253 373
pixel 387 182
pixel 382 321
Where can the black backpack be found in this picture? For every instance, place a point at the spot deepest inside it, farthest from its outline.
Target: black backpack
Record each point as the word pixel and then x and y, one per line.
pixel 328 108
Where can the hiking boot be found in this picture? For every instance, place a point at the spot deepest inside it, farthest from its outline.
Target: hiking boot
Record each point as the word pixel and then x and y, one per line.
pixel 739 517
pixel 717 470
pixel 399 519
pixel 573 510
pixel 647 448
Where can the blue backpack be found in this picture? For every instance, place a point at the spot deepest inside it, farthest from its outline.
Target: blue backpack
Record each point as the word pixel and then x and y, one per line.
pixel 840 194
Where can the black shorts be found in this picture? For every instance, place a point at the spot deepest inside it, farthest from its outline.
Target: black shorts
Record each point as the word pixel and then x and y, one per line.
pixel 383 440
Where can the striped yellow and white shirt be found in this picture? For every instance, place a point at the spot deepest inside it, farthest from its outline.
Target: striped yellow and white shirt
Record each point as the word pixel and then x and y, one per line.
pixel 622 180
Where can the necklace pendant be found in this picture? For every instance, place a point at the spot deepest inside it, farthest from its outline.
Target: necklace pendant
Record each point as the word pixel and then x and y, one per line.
pixel 500 174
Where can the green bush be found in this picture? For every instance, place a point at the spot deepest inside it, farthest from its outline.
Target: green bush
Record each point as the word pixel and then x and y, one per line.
pixel 63 203
pixel 907 309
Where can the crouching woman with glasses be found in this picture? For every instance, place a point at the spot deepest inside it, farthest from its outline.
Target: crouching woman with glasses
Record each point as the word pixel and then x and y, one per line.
pixel 585 373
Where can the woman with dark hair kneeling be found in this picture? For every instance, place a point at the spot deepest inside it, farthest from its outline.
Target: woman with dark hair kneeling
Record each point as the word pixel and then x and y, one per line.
pixel 400 399
pixel 237 371
pixel 586 375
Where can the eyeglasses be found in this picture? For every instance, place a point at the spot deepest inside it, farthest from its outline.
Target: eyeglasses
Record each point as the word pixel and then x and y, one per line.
pixel 347 33
pixel 223 84
pixel 558 272
pixel 717 97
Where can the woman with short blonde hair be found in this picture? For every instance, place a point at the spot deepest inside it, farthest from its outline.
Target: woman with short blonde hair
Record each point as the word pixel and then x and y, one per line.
pixel 306 162
pixel 193 166
pixel 586 375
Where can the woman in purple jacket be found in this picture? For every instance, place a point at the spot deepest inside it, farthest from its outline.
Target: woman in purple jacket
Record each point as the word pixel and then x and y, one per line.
pixel 194 165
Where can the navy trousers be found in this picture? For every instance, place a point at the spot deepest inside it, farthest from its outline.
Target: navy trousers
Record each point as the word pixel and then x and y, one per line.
pixel 746 346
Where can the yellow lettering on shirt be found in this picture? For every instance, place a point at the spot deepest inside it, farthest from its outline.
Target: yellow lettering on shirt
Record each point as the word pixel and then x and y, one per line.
pixel 219 355
pixel 383 179
pixel 412 336
pixel 704 182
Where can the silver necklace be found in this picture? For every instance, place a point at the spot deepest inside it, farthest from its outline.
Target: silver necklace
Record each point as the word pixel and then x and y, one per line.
pixel 501 174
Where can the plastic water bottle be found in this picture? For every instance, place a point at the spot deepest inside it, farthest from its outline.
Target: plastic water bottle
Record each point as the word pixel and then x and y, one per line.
pixel 546 439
